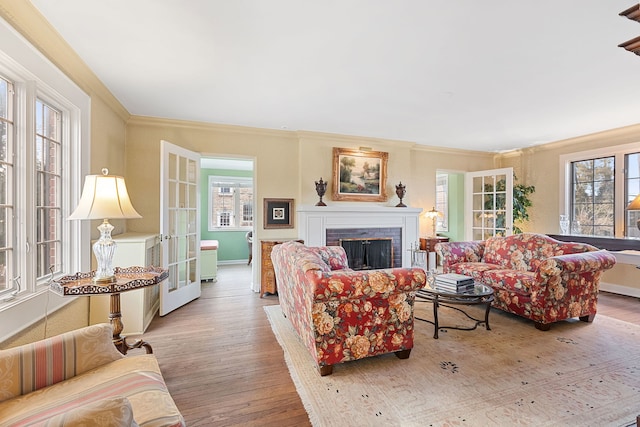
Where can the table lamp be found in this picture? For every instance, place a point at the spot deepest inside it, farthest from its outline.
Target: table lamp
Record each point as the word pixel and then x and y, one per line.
pixel 104 196
pixel 433 215
pixel 635 206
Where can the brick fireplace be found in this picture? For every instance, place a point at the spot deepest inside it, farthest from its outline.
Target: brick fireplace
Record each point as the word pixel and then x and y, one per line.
pixel 326 225
pixel 337 237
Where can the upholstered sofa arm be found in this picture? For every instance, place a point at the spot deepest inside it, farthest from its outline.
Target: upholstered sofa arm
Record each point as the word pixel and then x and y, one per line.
pixel 577 263
pixel 37 365
pixel 343 285
pixel 559 276
pixel 454 252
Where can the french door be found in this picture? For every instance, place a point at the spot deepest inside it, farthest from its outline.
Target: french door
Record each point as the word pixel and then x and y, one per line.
pixel 179 226
pixel 488 203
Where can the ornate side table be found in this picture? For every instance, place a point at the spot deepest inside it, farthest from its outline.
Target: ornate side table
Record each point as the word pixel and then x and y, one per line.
pixel 127 279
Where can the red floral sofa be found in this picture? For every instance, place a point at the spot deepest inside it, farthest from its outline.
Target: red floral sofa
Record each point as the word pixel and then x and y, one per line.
pixel 533 275
pixel 341 314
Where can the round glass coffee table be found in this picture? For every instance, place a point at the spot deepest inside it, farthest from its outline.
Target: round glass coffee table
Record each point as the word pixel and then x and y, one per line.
pixel 480 294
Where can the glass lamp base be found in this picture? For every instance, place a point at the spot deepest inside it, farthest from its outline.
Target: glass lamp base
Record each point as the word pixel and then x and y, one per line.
pixel 104 249
pixel 104 280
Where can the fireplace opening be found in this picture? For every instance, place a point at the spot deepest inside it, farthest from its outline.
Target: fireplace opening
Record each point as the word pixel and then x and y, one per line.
pixel 368 254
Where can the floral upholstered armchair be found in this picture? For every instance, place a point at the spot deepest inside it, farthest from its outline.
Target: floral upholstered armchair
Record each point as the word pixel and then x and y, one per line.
pixel 341 314
pixel 533 275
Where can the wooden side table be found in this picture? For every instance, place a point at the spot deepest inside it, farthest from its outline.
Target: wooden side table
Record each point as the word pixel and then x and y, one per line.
pixel 127 279
pixel 268 285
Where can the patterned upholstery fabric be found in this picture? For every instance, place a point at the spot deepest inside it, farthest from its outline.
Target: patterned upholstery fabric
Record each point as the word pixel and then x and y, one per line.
pixel 533 275
pixel 45 379
pixel 114 412
pixel 37 365
pixel 342 314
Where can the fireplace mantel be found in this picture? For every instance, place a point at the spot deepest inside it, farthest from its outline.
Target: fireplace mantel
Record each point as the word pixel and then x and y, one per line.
pixel 313 222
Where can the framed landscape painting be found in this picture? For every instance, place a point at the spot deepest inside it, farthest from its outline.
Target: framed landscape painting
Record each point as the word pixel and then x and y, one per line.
pixel 359 175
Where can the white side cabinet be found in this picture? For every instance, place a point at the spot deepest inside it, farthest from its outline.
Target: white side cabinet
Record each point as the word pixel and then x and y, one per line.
pixel 209 260
pixel 139 306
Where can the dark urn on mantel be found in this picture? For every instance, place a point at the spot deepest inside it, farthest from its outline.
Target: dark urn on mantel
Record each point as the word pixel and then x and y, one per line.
pixel 400 192
pixel 321 188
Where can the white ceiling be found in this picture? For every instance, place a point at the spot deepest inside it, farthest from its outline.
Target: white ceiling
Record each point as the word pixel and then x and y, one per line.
pixel 489 75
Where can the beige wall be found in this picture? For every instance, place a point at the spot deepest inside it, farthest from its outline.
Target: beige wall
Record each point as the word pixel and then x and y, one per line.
pixel 275 154
pixel 287 165
pixel 72 316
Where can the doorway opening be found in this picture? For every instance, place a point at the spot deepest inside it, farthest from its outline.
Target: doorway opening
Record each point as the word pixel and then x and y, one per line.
pixel 228 206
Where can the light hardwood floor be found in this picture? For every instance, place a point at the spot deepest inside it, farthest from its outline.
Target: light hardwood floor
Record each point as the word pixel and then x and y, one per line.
pixel 224 367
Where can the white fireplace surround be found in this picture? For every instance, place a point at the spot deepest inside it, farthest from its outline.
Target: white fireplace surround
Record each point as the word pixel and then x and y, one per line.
pixel 313 222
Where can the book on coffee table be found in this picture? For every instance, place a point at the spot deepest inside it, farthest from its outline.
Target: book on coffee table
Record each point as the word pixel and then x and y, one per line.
pixel 454 279
pixel 456 289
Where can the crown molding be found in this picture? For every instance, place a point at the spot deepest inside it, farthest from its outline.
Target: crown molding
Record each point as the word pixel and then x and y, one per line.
pixel 353 140
pixel 454 151
pixel 215 127
pixel 611 136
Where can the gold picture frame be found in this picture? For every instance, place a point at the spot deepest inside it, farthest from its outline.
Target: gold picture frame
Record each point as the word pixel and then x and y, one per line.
pixel 359 175
pixel 278 213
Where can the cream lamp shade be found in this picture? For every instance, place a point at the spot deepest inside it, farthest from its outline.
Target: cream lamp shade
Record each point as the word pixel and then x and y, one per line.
pixel 104 196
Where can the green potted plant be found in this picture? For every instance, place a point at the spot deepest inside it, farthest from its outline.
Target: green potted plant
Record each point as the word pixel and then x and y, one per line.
pixel 521 204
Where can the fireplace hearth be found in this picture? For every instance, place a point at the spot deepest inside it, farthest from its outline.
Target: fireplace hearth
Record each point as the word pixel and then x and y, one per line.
pixel 392 235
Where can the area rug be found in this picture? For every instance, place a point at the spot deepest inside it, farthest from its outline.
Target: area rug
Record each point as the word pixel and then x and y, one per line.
pixel 576 374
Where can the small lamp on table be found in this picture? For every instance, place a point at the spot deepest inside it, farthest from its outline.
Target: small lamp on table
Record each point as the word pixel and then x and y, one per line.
pixel 104 196
pixel 433 214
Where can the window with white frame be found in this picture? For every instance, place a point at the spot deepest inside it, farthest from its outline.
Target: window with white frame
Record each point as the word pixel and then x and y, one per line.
pixel 592 198
pixel 442 201
pixel 631 190
pixel 230 203
pixel 6 193
pixel 597 185
pixel 48 238
pixel 44 120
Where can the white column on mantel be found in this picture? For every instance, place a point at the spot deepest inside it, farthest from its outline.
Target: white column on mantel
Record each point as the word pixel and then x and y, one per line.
pixel 313 222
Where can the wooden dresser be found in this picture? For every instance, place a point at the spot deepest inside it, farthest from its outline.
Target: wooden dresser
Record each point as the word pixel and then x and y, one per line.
pixel 268 285
pixel 429 243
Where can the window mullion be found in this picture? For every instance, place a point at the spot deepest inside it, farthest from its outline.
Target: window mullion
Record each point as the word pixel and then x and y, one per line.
pixel 231 218
pixel 25 185
pixel 237 213
pixel 619 195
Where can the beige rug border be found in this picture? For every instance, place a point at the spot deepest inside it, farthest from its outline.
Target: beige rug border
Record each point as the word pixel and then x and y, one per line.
pixel 274 310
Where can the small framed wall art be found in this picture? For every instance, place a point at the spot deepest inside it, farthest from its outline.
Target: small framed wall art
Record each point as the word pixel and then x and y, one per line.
pixel 359 175
pixel 278 213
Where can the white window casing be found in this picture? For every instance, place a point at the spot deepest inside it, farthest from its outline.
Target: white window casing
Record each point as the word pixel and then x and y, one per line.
pixel 36 77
